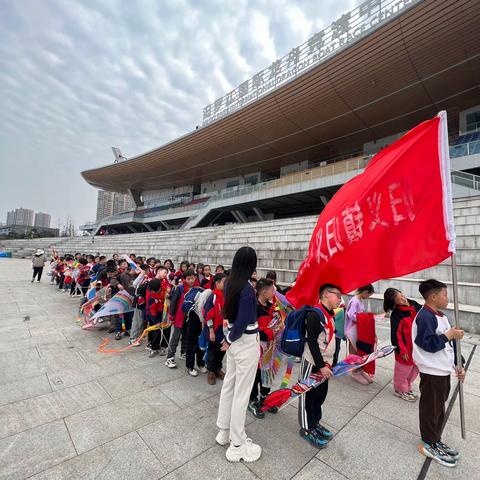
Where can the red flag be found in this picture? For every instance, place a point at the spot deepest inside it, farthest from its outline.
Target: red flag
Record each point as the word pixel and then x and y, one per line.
pixel 393 219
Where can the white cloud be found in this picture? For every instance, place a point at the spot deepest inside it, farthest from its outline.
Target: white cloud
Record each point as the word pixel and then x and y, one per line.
pixel 79 77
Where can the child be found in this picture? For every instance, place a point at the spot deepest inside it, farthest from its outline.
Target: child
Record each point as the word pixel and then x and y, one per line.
pixel 434 354
pixel 403 312
pixel 177 316
pixel 356 306
pixel 155 299
pixel 214 325
pixel 207 283
pixel 318 357
pixel 265 314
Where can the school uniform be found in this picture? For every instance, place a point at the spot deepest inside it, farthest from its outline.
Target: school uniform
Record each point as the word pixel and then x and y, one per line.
pixel 318 353
pixel 434 355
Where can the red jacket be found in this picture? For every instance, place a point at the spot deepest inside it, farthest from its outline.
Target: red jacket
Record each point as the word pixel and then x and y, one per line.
pixel 213 309
pixel 404 337
pixel 155 301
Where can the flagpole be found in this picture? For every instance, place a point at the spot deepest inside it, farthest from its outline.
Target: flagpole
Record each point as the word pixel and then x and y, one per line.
pixel 458 346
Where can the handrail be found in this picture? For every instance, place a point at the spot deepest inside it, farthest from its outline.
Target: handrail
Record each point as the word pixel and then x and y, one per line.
pixel 465 149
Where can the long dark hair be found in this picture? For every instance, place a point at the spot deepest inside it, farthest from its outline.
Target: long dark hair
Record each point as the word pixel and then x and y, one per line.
pixel 243 265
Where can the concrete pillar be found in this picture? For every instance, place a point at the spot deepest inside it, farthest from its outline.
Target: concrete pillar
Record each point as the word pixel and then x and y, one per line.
pixel 135 194
pixel 259 213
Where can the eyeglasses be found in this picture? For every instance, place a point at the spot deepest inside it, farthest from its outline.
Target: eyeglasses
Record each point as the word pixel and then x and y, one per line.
pixel 339 295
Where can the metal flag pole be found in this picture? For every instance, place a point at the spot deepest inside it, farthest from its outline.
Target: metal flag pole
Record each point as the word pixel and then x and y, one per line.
pixel 458 345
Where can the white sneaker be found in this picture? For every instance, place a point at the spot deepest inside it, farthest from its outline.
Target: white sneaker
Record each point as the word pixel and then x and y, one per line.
pixel 170 363
pixel 223 437
pixel 192 372
pixel 248 452
pixel 405 396
pixel 202 369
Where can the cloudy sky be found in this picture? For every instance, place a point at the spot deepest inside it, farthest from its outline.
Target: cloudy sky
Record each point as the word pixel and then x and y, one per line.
pixel 78 77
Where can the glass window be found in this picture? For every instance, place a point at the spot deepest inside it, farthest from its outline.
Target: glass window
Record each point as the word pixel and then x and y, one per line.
pixel 473 121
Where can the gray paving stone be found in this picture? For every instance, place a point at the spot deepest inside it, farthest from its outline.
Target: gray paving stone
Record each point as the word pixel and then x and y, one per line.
pixel 24 388
pixel 182 435
pixel 344 401
pixel 126 457
pixel 138 379
pixel 104 423
pixel 472 413
pixel 467 465
pixel 188 390
pixel 284 452
pixel 69 376
pixel 37 449
pixel 212 465
pixel 32 412
pixel 317 470
pixel 369 448
pixel 394 410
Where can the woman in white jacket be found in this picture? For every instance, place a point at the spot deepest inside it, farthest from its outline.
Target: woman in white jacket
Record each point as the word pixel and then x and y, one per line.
pixel 38 262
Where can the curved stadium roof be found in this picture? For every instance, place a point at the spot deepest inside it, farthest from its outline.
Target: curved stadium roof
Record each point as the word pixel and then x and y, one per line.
pixel 424 61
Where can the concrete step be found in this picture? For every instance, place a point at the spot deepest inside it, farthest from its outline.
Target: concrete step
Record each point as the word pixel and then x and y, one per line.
pixel 466 202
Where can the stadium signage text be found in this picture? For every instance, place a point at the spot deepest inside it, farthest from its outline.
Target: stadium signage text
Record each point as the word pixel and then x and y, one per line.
pixel 350 27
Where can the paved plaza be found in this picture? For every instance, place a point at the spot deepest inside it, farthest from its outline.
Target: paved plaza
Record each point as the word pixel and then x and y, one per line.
pixel 69 412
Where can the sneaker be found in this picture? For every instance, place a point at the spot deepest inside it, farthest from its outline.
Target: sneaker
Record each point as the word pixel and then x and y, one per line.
pixel 323 432
pixel 448 450
pixel 152 353
pixel 254 409
pixel 134 343
pixel 248 452
pixel 202 369
pixel 183 356
pixel 118 336
pixel 38 281
pixel 192 372
pixel 312 437
pixel 170 363
pixel 148 346
pixel 223 437
pixel 413 395
pixel 162 352
pixel 404 396
pixel 433 452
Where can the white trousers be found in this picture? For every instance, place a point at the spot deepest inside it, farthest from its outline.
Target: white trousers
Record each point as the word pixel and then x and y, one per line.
pixel 242 362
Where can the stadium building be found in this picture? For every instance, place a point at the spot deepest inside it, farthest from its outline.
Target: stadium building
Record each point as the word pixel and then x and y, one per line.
pixel 283 142
pixel 272 153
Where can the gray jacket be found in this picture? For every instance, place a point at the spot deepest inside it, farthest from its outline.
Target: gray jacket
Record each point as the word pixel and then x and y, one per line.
pixel 38 261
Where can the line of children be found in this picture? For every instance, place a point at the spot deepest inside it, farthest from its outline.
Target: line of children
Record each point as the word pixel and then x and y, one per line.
pixel 423 337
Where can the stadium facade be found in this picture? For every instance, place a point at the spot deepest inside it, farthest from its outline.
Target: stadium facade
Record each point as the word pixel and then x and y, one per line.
pixel 283 142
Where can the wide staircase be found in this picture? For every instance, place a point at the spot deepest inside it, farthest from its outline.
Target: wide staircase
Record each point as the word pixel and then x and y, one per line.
pixel 281 245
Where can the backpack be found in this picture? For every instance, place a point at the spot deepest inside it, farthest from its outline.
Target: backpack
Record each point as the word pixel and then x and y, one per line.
pixel 190 298
pixel 294 336
pixel 200 301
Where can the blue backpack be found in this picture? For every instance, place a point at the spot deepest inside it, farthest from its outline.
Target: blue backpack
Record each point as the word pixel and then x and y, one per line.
pixel 189 300
pixel 294 336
